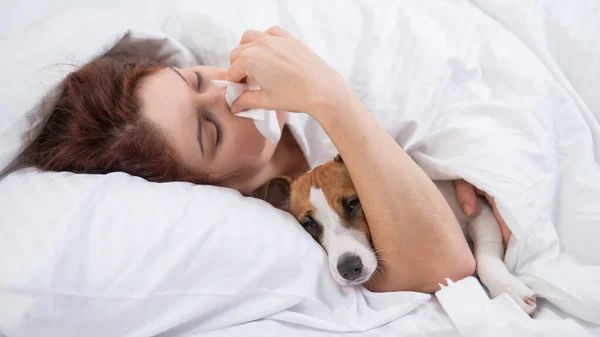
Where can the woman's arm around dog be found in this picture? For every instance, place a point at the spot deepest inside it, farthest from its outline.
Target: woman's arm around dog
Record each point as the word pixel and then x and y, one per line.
pixel 417 237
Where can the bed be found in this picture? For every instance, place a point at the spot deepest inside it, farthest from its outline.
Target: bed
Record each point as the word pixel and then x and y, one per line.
pixel 502 93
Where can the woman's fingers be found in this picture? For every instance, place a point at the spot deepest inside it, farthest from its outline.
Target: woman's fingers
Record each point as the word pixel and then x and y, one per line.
pixel 465 194
pixel 250 99
pixel 237 71
pixel 278 31
pixel 237 51
pixel 250 35
pixel 253 35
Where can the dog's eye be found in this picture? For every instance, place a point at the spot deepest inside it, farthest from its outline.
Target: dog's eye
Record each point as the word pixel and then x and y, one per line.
pixel 308 223
pixel 352 206
pixel 353 203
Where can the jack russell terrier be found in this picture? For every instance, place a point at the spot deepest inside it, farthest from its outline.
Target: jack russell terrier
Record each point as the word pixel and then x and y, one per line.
pixel 325 203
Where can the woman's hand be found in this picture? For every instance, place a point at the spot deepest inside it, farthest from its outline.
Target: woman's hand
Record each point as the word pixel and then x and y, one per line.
pixel 291 76
pixel 466 194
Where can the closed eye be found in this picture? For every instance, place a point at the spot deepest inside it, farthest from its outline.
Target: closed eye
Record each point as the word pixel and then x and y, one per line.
pixel 199 136
pixel 199 81
pixel 218 129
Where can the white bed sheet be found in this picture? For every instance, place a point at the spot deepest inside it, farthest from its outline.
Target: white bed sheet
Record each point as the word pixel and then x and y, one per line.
pixel 429 320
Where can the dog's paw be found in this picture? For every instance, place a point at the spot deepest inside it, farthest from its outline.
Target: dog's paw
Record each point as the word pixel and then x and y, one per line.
pixel 524 296
pixel 526 300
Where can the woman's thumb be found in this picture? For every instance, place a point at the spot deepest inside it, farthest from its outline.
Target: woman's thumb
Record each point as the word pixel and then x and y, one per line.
pixel 251 99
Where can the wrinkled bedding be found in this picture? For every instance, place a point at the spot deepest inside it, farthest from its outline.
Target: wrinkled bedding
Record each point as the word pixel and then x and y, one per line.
pixel 502 93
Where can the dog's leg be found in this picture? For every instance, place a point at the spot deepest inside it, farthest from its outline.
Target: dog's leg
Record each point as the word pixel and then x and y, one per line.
pixel 489 253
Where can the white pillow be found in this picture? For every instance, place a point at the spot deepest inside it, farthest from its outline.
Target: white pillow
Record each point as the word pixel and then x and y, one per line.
pixel 115 255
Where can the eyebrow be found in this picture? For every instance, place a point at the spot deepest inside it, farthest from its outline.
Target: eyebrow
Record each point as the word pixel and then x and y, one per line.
pixel 199 133
pixel 199 78
pixel 179 74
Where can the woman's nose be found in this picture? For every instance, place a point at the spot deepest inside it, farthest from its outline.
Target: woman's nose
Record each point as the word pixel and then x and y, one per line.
pixel 214 95
pixel 213 91
pixel 217 87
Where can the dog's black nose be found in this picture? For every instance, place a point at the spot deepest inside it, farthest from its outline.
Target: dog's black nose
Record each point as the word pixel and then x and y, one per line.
pixel 350 267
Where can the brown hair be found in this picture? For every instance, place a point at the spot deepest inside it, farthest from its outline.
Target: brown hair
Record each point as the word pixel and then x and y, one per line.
pixel 96 126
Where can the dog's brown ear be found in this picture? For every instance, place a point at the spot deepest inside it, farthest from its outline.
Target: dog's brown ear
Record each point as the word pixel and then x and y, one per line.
pixel 338 158
pixel 278 192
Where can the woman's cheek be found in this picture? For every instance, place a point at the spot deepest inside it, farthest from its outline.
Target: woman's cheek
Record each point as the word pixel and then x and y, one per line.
pixel 248 138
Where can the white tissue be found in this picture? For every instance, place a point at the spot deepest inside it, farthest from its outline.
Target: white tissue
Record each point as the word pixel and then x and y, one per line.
pixel 265 120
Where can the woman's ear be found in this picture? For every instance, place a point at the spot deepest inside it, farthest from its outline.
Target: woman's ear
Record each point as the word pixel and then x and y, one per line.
pixel 278 192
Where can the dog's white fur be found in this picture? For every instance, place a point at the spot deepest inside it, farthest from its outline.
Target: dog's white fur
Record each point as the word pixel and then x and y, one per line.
pixel 481 229
pixel 339 239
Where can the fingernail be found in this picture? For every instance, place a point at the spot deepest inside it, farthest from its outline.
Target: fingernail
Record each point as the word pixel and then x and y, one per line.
pixel 467 208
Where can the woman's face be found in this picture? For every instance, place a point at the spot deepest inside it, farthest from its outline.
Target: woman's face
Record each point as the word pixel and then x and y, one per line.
pixel 192 113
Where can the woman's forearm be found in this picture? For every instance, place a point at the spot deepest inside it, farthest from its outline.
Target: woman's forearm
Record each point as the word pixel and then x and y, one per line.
pixel 417 237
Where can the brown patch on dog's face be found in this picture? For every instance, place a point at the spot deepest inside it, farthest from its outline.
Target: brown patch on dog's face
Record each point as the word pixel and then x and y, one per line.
pixel 335 182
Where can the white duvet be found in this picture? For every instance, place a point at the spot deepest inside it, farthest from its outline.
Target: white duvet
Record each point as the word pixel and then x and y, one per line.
pixel 501 93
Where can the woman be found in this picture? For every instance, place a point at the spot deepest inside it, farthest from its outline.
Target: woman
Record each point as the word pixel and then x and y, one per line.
pixel 167 124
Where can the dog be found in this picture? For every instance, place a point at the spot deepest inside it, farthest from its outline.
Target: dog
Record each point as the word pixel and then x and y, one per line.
pixel 325 203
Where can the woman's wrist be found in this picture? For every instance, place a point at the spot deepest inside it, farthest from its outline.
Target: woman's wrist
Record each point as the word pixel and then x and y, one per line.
pixel 335 104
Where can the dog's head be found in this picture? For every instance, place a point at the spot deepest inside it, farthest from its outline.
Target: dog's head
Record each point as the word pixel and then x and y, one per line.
pixel 326 204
